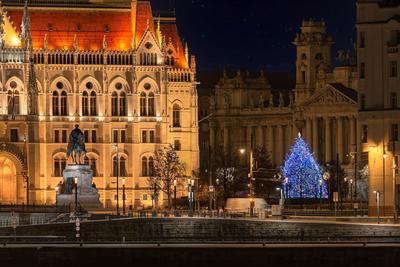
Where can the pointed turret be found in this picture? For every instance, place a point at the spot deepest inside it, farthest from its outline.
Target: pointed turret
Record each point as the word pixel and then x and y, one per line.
pixel 158 32
pixel 187 52
pixel 2 24
pixel 75 44
pixel 104 42
pixel 46 42
pixel 25 35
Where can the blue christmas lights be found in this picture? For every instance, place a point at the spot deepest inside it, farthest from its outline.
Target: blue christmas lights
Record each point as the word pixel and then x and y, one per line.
pixel 302 176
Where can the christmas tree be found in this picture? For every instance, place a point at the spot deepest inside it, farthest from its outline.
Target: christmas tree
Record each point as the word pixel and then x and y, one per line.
pixel 302 176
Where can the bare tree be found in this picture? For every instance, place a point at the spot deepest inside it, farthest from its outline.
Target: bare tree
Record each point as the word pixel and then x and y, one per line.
pixel 167 168
pixel 227 173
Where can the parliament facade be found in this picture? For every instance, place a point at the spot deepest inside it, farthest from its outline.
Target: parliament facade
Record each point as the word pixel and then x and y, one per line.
pixel 121 72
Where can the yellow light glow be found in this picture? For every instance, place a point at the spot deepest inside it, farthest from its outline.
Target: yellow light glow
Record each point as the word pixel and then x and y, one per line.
pixel 15 41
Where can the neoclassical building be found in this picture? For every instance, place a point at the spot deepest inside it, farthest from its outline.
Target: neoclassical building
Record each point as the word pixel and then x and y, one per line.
pixel 118 70
pixel 322 107
pixel 378 30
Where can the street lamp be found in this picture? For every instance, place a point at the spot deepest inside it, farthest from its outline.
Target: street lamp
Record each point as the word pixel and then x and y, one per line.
pixel 320 193
pixel 250 174
pixel 56 190
pixel 351 192
pixel 76 193
pixel 282 199
pixel 123 196
pixel 175 183
pixel 326 177
pixel 190 196
pixel 378 196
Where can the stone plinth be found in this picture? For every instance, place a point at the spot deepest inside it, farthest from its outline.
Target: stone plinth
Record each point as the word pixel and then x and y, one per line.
pixel 88 196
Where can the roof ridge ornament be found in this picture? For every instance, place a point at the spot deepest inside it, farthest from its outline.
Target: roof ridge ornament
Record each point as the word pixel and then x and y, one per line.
pixel 104 42
pixel 25 36
pixel 2 24
pixel 75 44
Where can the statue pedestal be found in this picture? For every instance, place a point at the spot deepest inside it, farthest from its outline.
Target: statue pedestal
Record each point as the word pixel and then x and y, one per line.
pixel 88 196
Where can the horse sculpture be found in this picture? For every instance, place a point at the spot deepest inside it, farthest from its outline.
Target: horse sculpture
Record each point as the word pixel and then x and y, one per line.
pixel 76 145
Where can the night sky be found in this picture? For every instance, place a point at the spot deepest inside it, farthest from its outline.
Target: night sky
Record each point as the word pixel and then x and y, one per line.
pixel 254 34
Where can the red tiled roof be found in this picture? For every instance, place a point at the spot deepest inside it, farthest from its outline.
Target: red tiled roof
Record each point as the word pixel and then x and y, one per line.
pixel 64 27
pixel 121 26
pixel 170 31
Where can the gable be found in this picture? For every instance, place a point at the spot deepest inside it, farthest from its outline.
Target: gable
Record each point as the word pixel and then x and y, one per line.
pixel 329 95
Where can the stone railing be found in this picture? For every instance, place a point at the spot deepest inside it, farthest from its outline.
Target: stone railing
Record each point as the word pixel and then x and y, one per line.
pixel 12 55
pixel 180 75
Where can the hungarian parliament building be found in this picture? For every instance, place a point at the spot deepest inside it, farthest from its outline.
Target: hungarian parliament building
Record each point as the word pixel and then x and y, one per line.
pixel 118 70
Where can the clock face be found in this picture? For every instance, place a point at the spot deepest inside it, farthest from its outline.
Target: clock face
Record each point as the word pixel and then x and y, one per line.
pixel 170 52
pixel 148 45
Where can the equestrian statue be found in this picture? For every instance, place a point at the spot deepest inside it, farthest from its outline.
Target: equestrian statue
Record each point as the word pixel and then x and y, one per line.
pixel 76 145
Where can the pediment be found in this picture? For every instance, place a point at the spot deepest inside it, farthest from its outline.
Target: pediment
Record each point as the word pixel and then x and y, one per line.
pixel 329 95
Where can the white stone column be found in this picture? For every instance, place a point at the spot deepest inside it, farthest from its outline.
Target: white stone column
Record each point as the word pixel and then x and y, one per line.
pixel 212 136
pixel 353 141
pixel 340 138
pixel 271 143
pixel 226 139
pixel 259 136
pixel 308 132
pixel 279 145
pixel 328 139
pixel 315 137
pixel 249 133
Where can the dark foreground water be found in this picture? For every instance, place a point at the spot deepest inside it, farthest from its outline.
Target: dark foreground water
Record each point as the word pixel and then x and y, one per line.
pixel 200 255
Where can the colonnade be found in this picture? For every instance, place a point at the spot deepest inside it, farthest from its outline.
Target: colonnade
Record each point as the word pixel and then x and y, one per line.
pixel 327 137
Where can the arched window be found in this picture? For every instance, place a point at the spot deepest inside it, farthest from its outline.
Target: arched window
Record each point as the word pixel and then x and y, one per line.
pixel 13 102
pixel 176 113
pixel 59 165
pixel 85 104
pixel 143 109
pixel 121 169
pixel 114 104
pixel 150 101
pixel 122 104
pixel 151 167
pixel 55 104
pixel 63 104
pixel 144 167
pixel 93 104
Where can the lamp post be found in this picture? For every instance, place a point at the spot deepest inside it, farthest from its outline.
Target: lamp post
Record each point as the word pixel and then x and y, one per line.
pixel 175 183
pixel 190 196
pixel 56 190
pixel 395 215
pixel 123 196
pixel 326 177
pixel 378 196
pixel 250 174
pixel 320 193
pixel 384 180
pixel 351 192
pixel 117 175
pixel 76 193
pixel 282 198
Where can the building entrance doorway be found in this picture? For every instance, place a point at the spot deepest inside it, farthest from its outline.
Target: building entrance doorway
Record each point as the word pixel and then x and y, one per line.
pixel 8 181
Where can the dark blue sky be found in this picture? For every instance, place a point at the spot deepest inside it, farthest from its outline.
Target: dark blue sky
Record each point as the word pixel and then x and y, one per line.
pixel 256 34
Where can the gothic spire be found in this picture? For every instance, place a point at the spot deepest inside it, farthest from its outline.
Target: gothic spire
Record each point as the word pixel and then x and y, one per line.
pixel 32 91
pixel 25 36
pixel 2 24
